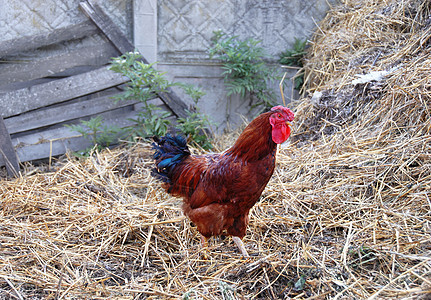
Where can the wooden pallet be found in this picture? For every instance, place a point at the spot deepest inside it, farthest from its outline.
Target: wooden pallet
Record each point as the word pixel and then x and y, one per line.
pixel 38 96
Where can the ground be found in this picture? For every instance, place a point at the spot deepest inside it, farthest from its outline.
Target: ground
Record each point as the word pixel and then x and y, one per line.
pixel 346 214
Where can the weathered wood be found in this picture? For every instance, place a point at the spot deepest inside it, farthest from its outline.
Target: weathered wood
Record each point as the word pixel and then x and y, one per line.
pixel 7 153
pixel 118 117
pixel 56 140
pixel 12 87
pixel 109 29
pixel 52 142
pixel 113 33
pixel 35 111
pixel 59 114
pixel 32 42
pixel 17 102
pixel 171 99
pixel 52 148
pixel 50 66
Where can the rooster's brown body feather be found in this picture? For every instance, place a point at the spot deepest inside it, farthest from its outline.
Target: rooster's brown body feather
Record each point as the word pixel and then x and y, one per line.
pixel 220 189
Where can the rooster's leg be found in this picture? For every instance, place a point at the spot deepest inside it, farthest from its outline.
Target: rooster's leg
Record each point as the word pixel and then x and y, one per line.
pixel 240 245
pixel 204 243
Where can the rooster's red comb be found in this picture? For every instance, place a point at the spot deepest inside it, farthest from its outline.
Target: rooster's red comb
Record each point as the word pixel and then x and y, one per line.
pixel 290 114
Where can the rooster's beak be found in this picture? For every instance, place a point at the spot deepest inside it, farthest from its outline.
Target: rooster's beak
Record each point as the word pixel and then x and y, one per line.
pixel 289 124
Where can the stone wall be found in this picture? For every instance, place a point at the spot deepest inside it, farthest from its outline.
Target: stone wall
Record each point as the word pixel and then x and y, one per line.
pixel 177 34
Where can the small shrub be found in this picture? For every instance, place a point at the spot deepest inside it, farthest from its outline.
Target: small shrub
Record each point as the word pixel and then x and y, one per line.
pixel 149 122
pixel 196 125
pixel 145 83
pixel 98 134
pixel 245 71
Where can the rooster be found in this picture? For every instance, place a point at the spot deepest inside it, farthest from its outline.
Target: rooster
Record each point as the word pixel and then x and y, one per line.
pixel 218 190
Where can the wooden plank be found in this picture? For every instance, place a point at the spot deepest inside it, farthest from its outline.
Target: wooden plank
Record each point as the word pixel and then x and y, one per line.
pixel 59 35
pixel 22 85
pixel 171 99
pixel 50 66
pixel 59 114
pixel 20 101
pixel 58 140
pixel 7 152
pixel 52 148
pixel 113 33
pixel 117 117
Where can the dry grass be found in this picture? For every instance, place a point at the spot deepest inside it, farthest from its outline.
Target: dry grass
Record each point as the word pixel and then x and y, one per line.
pixel 347 214
pixel 366 35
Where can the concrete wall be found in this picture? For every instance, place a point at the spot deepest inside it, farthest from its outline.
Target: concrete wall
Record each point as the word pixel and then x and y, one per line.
pixel 185 28
pixel 177 34
pixel 20 18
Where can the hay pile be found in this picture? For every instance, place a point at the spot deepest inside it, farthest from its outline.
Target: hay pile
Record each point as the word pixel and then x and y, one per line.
pixel 347 214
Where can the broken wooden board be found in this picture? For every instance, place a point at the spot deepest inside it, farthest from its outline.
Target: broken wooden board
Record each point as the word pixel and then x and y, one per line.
pixel 107 26
pixel 40 40
pixel 55 65
pixel 56 91
pixel 60 114
pixel 59 140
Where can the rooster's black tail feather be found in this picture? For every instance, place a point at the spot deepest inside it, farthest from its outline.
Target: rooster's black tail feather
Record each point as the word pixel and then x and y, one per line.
pixel 169 151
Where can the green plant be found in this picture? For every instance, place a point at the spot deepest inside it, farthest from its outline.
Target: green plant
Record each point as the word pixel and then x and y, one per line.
pixel 98 134
pixel 294 57
pixel 149 123
pixel 300 283
pixel 145 83
pixel 196 125
pixel 193 92
pixel 245 71
pixel 362 256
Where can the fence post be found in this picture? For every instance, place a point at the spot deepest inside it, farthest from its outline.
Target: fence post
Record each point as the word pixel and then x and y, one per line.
pixel 7 151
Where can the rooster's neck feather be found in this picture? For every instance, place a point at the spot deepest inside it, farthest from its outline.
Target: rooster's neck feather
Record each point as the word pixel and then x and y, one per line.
pixel 255 142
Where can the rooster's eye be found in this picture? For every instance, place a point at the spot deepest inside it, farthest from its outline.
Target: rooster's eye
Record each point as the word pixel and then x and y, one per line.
pixel 279 116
